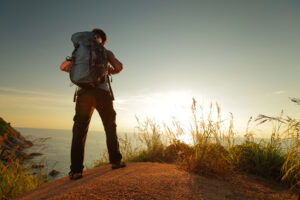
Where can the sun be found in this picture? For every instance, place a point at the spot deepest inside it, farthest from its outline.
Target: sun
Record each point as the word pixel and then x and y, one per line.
pixel 168 108
pixel 171 108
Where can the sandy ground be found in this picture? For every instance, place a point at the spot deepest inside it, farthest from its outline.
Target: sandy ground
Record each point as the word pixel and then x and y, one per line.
pixel 152 181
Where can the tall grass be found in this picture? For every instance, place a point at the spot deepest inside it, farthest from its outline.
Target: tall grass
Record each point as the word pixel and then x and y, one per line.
pixel 15 178
pixel 214 150
pixel 289 129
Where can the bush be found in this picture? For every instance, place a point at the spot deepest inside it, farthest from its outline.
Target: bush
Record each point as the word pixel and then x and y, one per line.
pixel 214 151
pixel 209 160
pixel 289 129
pixel 16 179
pixel 177 151
pixel 264 159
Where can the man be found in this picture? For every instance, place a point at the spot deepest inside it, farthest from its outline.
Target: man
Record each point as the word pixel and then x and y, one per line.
pixel 99 97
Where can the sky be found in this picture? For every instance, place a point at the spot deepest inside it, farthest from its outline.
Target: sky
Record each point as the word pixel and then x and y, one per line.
pixel 242 54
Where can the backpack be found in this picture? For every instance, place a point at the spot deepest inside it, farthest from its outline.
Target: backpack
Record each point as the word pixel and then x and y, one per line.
pixel 89 61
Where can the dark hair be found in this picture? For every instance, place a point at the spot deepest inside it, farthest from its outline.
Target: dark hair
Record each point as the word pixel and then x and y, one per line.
pixel 100 33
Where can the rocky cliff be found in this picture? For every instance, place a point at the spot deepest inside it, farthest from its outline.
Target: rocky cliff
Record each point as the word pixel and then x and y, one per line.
pixel 12 143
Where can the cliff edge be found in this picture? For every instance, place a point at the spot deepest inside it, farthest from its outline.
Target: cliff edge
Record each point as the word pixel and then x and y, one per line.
pixel 12 143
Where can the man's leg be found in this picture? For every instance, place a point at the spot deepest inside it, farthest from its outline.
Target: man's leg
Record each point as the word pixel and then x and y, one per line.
pixel 84 110
pixel 108 115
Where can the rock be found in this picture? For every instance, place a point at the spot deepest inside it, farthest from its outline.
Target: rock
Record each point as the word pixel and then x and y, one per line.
pixel 12 143
pixel 54 172
pixel 24 155
pixel 37 166
pixel 35 154
pixel 27 144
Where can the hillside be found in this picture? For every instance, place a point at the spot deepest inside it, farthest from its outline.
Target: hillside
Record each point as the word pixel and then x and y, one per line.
pixel 12 143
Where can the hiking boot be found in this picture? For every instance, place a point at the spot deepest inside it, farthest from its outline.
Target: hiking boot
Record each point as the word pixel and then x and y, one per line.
pixel 75 175
pixel 118 165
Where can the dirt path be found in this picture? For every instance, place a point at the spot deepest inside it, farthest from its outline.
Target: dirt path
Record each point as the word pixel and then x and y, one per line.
pixel 137 181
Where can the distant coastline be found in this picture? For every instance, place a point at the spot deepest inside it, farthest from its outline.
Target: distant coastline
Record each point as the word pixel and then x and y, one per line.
pixel 12 143
pixel 55 145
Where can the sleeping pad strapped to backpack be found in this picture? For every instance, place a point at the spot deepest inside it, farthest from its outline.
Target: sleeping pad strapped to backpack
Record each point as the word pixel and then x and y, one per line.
pixel 89 60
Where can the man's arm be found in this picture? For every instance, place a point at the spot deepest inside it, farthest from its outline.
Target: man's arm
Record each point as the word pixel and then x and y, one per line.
pixel 117 65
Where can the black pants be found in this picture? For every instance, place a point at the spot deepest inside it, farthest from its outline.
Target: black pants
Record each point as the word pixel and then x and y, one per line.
pixel 87 101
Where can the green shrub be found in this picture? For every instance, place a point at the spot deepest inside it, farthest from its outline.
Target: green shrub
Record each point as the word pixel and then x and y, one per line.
pixel 214 151
pixel 288 129
pixel 16 179
pixel 209 159
pixel 264 159
pixel 177 151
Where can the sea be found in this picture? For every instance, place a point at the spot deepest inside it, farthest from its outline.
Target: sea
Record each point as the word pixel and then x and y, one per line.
pixel 55 146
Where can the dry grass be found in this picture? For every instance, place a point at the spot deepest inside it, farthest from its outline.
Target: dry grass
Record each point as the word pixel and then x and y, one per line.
pixel 289 129
pixel 214 151
pixel 15 178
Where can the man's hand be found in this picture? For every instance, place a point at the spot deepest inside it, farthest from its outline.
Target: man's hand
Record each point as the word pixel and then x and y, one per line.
pixel 112 70
pixel 66 66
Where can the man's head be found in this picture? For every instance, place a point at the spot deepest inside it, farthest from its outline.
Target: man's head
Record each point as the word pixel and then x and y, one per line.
pixel 100 35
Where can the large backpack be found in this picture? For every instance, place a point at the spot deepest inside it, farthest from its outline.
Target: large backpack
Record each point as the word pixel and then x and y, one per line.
pixel 89 60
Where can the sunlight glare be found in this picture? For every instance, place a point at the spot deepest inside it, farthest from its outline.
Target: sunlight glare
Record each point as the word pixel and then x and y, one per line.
pixel 171 107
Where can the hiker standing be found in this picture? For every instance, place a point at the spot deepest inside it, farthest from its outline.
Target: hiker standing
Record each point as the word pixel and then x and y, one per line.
pixel 92 94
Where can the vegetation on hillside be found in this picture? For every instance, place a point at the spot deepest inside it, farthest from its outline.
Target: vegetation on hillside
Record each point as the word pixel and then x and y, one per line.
pixel 15 178
pixel 215 150
pixel 12 143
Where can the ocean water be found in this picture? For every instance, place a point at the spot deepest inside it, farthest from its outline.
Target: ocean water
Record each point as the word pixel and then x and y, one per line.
pixel 56 148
